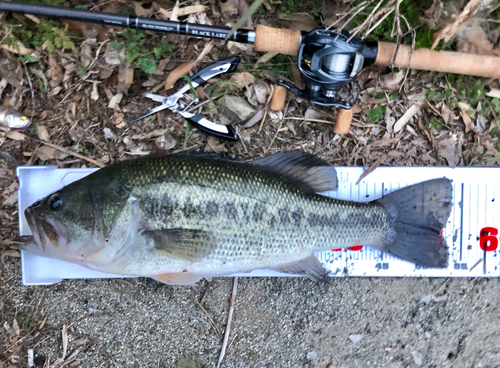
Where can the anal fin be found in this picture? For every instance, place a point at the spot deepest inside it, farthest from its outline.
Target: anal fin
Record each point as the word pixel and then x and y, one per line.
pixel 309 267
pixel 179 278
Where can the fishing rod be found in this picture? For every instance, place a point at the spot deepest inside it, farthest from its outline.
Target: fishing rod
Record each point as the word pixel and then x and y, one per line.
pixel 327 59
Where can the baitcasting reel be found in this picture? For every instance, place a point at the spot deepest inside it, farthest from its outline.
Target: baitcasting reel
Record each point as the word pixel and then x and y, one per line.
pixel 328 60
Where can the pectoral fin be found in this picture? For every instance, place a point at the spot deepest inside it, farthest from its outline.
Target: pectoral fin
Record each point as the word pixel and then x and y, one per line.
pixel 309 267
pixel 182 244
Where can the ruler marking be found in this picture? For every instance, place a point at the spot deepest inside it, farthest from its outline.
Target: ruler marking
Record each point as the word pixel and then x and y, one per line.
pixel 486 211
pixel 461 220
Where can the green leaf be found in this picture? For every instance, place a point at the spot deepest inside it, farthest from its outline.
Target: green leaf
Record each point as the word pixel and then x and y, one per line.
pixel 186 136
pixel 191 87
pixel 117 46
pixel 28 59
pixel 157 52
pixel 148 65
pixel 376 113
pixel 251 9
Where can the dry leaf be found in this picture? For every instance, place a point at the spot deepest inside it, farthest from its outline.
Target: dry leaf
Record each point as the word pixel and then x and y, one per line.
pixel 229 7
pixel 466 118
pixel 433 14
pixel 242 9
pixel 312 113
pixel 254 119
pixel 166 142
pixel 297 77
pixel 45 153
pixel 390 82
pixel 451 29
pixel 55 72
pixel 187 10
pixel 298 21
pixel 447 114
pixel 178 73
pixel 389 120
pixel 42 132
pixel 108 134
pixel 118 120
pixel 18 49
pixel 494 92
pixel 448 150
pixel 216 145
pixel 141 11
pixel 112 57
pixel 427 157
pixel 125 77
pixel 243 79
pixel 407 116
pixel 472 39
pixel 115 100
pixel 262 91
pixel 14 135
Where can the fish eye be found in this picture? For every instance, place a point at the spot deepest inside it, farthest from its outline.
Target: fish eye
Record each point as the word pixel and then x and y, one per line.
pixel 55 202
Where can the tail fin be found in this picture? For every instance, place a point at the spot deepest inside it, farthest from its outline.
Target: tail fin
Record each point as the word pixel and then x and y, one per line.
pixel 419 213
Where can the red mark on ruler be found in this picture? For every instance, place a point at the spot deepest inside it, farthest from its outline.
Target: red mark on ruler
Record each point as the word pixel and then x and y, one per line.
pixel 354 248
pixel 488 240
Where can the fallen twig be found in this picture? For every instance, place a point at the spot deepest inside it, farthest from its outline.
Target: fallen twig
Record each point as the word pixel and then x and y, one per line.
pixel 229 320
pixel 214 326
pixel 65 150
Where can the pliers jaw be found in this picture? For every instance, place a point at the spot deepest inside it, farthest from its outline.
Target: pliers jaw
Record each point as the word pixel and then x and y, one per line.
pixel 171 102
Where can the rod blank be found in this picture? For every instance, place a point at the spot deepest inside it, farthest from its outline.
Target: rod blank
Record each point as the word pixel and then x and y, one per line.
pixel 181 28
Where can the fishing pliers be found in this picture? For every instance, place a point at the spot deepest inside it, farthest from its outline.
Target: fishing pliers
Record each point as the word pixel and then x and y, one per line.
pixel 171 102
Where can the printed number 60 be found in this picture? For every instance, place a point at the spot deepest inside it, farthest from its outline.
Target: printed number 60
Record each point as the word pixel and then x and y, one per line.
pixel 488 240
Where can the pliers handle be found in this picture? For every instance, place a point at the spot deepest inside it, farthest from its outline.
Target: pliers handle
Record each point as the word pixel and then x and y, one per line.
pixel 171 102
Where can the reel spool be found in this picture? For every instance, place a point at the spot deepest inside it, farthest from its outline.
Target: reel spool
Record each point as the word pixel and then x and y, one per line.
pixel 327 61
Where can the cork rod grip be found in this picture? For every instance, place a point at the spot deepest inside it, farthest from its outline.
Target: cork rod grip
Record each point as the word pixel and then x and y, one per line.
pixel 281 41
pixel 439 61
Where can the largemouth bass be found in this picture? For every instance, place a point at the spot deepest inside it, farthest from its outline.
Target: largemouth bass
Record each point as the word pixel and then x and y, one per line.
pixel 183 217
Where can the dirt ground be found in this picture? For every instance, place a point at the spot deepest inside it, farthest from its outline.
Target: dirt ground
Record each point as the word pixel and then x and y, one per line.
pixel 82 99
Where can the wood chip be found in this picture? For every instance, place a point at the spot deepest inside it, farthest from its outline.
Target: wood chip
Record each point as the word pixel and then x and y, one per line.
pixel 174 16
pixel 407 116
pixel 265 58
pixel 64 341
pixel 206 50
pixel 372 167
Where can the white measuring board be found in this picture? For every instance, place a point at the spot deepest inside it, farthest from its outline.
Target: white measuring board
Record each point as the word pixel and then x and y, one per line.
pixel 471 232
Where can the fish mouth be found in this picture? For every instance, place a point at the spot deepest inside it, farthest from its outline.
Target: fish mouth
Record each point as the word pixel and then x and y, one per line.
pixel 46 231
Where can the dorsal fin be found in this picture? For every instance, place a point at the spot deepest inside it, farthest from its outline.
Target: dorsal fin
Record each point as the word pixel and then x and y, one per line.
pixel 317 175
